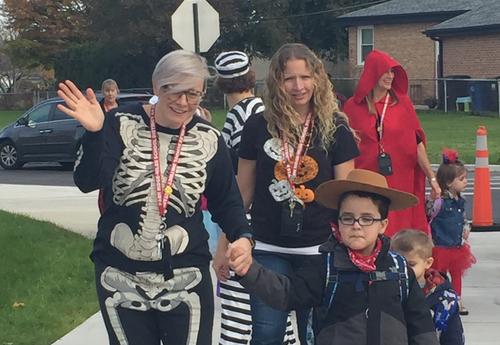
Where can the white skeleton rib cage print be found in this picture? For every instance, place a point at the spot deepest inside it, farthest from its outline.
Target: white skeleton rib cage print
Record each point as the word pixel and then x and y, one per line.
pixel 133 183
pixel 133 180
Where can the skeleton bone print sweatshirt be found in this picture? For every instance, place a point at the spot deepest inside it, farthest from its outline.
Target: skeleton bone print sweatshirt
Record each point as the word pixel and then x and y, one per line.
pixel 118 160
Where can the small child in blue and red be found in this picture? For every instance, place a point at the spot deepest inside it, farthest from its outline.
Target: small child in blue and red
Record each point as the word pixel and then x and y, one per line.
pixel 443 301
pixel 449 227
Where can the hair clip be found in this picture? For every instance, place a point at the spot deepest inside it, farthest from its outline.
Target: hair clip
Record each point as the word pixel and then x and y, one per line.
pixel 450 156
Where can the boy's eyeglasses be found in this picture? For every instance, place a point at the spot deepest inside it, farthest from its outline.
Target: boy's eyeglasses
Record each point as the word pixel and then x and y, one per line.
pixel 363 220
pixel 193 97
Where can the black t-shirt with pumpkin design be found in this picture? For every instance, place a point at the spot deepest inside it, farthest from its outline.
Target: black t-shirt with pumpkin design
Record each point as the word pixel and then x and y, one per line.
pixel 272 187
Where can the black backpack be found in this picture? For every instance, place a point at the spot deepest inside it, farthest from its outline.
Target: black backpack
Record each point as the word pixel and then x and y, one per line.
pixel 397 272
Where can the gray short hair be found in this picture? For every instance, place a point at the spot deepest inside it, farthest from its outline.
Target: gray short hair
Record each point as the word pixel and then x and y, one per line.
pixel 181 69
pixel 109 82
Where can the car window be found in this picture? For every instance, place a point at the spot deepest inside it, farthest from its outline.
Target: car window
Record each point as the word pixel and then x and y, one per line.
pixel 59 115
pixel 40 114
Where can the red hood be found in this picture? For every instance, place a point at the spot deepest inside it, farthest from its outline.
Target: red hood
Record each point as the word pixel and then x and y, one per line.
pixel 377 63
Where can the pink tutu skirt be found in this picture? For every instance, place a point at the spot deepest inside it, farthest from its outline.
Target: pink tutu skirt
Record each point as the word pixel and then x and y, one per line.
pixel 448 259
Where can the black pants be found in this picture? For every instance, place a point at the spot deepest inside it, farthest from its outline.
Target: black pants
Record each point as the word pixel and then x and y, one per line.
pixel 144 308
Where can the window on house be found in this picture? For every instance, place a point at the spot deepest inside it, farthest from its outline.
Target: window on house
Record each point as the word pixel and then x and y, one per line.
pixel 365 42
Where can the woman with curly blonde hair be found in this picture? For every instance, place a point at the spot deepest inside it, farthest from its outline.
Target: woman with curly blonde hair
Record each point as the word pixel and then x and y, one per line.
pixel 301 141
pixel 282 115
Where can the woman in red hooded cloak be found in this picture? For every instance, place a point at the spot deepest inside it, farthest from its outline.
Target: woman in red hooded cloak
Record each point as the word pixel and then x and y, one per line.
pixel 392 140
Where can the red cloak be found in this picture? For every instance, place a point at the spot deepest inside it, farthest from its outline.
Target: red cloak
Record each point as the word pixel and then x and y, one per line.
pixel 401 128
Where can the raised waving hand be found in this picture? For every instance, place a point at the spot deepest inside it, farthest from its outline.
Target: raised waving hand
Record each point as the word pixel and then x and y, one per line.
pixel 83 108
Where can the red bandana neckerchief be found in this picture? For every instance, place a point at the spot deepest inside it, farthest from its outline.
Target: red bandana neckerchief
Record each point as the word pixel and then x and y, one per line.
pixel 432 279
pixel 366 263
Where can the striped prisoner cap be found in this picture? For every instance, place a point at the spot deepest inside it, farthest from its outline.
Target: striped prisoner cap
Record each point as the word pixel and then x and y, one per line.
pixel 232 64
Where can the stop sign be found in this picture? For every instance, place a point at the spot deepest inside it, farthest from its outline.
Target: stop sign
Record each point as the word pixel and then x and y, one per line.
pixel 183 24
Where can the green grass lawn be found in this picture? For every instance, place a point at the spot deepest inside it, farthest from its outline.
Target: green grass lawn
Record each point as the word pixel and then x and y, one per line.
pixel 458 131
pixel 218 117
pixel 7 117
pixel 48 270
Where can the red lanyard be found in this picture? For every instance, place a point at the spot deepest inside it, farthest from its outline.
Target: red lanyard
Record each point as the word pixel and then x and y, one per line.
pixel 163 193
pixel 291 171
pixel 380 127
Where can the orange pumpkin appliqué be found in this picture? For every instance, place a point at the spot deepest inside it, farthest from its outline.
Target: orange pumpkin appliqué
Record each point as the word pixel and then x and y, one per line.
pixel 304 194
pixel 307 171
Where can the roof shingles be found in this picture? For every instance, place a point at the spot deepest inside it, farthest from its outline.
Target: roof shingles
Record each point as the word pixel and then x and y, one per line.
pixel 465 14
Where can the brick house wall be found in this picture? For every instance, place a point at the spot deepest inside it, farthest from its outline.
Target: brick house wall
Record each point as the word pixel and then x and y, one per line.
pixel 413 49
pixel 475 55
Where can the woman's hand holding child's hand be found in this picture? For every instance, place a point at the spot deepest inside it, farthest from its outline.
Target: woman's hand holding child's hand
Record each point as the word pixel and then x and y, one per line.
pixel 435 189
pixel 220 264
pixel 239 254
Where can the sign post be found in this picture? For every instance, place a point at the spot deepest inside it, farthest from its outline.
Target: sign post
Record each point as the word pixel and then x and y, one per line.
pixel 195 25
pixel 196 28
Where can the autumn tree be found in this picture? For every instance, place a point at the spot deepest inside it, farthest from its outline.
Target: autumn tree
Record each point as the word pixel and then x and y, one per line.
pixel 9 74
pixel 126 39
pixel 90 40
pixel 245 25
pixel 261 26
pixel 41 29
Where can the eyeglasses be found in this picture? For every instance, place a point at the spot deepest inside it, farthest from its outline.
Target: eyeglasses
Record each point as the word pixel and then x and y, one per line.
pixel 193 97
pixel 363 220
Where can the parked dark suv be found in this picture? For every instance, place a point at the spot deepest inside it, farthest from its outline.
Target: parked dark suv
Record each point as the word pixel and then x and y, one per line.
pixel 45 134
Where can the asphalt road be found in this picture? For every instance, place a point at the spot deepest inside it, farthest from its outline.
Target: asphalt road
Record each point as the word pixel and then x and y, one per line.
pixel 55 175
pixel 38 174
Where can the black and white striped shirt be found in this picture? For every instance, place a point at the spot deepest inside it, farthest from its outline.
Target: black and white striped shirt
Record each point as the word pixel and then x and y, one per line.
pixel 236 118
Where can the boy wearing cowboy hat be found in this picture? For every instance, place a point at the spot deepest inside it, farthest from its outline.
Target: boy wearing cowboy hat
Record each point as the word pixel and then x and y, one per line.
pixel 365 294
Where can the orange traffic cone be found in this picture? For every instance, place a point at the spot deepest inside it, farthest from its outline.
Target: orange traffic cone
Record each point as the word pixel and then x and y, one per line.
pixel 482 215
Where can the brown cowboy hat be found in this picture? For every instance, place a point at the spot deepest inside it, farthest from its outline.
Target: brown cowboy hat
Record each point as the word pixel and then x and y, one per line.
pixel 360 180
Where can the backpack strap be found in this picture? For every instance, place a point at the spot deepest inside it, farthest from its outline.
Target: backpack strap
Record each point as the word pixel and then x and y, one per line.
pixel 334 277
pixel 398 272
pixel 331 281
pixel 401 267
pixel 392 274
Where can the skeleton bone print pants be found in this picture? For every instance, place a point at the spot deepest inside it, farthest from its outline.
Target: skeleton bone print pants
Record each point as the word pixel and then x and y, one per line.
pixel 144 308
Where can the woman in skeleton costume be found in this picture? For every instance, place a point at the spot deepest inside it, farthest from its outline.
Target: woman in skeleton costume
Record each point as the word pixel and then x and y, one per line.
pixel 300 141
pixel 151 252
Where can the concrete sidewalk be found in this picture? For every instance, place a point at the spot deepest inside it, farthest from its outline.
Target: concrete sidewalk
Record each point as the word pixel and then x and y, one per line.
pixel 68 207
pixel 64 206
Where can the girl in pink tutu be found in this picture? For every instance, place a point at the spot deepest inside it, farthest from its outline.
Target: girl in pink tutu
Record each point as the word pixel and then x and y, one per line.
pixel 449 227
